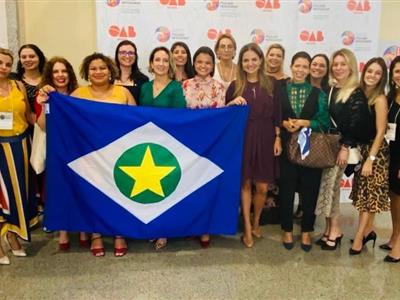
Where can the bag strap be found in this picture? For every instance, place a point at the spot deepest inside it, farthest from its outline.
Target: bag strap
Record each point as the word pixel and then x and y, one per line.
pixel 329 103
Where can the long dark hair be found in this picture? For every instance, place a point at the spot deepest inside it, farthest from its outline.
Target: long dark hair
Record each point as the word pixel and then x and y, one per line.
pixel 135 72
pixel 38 52
pixel 325 79
pixel 392 86
pixel 380 88
pixel 188 66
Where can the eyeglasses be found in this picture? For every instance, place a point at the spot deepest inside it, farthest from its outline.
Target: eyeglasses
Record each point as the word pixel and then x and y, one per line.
pixel 127 53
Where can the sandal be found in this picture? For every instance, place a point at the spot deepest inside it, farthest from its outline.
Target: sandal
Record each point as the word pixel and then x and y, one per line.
pixel 160 244
pixel 97 252
pixel 245 243
pixel 118 252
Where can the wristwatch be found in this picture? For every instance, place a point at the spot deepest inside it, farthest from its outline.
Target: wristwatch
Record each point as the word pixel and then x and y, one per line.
pixel 372 157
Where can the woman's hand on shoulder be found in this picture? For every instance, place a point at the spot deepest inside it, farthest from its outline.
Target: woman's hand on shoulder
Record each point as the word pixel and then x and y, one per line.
pixel 238 101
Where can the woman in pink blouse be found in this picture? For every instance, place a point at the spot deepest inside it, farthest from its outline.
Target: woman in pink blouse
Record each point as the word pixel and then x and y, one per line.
pixel 203 91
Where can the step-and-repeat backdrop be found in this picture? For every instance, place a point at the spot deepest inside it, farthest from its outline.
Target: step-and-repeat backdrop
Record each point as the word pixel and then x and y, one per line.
pixel 311 25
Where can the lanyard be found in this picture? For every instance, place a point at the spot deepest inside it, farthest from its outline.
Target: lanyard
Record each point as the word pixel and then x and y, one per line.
pixel 397 114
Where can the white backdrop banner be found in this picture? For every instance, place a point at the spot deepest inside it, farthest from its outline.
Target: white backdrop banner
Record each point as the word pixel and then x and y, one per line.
pixel 3 25
pixel 311 25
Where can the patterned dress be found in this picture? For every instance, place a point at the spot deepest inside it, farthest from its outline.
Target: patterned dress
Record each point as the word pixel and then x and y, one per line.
pixel 204 93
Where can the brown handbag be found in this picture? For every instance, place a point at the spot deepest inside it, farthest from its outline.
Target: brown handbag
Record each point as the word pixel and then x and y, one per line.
pixel 324 149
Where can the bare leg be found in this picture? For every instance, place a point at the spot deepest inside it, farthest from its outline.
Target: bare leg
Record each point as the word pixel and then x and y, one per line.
pixel 13 240
pixel 395 239
pixel 259 202
pixel 63 237
pixel 334 230
pixel 205 238
pixel 119 242
pixel 362 227
pixel 97 241
pixel 246 204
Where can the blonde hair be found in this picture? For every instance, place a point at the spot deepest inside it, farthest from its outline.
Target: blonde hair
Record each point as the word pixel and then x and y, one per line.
pixel 241 77
pixel 8 53
pixel 352 81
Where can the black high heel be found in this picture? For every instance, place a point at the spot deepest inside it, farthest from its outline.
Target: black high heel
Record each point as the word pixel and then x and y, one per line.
pixel 370 237
pixel 385 247
pixel 390 259
pixel 321 241
pixel 354 252
pixel 337 242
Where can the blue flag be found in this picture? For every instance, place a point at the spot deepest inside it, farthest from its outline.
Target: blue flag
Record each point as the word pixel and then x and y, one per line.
pixel 142 172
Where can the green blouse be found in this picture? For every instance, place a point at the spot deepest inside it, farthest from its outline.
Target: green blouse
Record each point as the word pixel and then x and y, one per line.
pixel 298 94
pixel 171 96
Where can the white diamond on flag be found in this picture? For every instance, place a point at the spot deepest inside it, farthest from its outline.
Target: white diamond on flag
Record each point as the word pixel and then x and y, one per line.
pixel 97 168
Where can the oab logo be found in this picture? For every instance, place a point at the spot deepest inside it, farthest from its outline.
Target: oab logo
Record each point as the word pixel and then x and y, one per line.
pixel 122 31
pixel 213 33
pixel 311 36
pixel 257 36
pixel 173 3
pixel 268 4
pixel 113 3
pixel 359 6
pixel 348 38
pixel 305 6
pixel 163 34
pixel 212 5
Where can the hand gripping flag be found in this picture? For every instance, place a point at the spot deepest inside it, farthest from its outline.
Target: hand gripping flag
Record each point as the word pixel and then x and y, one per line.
pixel 142 172
pixel 304 142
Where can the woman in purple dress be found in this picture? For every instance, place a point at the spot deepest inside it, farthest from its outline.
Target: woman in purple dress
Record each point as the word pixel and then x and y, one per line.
pixel 262 140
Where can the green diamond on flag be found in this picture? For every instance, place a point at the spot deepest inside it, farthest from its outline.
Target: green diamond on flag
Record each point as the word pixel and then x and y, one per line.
pixel 146 171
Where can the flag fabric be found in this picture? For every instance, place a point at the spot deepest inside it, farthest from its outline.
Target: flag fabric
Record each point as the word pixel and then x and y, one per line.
pixel 304 142
pixel 142 172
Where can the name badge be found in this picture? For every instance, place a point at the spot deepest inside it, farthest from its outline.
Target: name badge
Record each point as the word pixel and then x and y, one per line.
pixel 391 132
pixel 6 120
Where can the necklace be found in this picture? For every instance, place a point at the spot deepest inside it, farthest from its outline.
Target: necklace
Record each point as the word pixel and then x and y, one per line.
pixel 222 73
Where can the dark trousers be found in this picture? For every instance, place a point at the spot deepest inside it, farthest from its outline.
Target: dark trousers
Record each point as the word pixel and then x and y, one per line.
pixel 305 181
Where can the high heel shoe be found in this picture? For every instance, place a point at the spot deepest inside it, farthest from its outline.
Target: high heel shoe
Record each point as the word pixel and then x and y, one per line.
pixel 337 242
pixel 390 259
pixel 16 252
pixel 354 252
pixel 321 241
pixel 118 252
pixel 385 247
pixel 97 252
pixel 370 237
pixel 4 260
pixel 64 246
pixel 246 243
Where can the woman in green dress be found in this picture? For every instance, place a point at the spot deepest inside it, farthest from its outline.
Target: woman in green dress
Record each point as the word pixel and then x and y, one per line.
pixel 162 91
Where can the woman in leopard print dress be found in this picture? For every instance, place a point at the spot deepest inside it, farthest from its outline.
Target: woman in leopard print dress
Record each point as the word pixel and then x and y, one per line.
pixel 370 192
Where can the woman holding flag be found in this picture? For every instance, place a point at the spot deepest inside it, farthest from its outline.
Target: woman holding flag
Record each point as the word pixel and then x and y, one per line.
pixel 303 106
pixel 101 72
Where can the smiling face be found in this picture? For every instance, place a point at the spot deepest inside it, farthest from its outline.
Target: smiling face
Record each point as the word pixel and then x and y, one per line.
pixel 99 72
pixel 300 69
pixel 29 59
pixel 226 49
pixel 274 58
pixel 251 63
pixel 373 75
pixel 203 65
pixel 60 76
pixel 180 56
pixel 160 63
pixel 5 66
pixel 340 69
pixel 126 55
pixel 396 74
pixel 318 68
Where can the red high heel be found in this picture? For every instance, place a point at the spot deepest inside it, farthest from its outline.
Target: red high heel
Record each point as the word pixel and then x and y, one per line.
pixel 97 252
pixel 84 243
pixel 118 252
pixel 64 246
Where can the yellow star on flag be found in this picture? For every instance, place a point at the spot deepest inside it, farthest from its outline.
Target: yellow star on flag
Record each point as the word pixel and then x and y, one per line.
pixel 147 176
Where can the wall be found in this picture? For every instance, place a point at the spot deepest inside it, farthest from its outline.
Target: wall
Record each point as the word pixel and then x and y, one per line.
pixel 68 28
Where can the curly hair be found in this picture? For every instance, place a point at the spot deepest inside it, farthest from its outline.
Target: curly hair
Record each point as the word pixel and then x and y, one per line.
pixel 84 68
pixel 47 76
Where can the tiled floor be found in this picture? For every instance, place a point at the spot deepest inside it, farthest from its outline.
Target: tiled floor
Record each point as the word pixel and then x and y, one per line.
pixel 224 271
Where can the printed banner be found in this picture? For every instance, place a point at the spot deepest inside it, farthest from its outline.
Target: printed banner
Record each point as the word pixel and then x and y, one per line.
pixel 142 172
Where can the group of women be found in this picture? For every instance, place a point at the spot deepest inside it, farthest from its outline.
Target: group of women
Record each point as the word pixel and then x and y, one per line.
pixel 321 94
